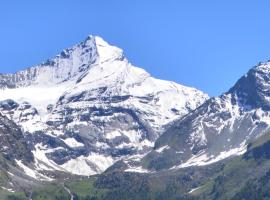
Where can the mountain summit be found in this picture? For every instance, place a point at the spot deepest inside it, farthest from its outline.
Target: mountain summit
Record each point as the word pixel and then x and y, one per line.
pixel 88 107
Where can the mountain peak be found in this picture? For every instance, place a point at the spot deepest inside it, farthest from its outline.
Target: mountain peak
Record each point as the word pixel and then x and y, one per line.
pixel 97 40
pixel 252 89
pixel 103 49
pixel 94 105
pixel 263 67
pixel 71 63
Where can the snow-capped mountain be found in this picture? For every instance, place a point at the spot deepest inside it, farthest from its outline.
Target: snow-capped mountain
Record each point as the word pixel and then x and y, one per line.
pixel 89 107
pixel 221 127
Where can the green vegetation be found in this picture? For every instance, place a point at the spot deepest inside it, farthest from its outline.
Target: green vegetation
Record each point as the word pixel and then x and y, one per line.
pixel 260 141
pixel 5 195
pixel 85 189
pixel 244 177
pixel 255 189
pixel 51 192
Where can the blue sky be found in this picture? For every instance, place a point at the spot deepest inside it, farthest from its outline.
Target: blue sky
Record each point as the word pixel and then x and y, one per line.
pixel 205 44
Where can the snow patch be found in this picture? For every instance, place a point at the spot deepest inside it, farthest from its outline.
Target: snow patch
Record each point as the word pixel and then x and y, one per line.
pixel 113 134
pixel 41 160
pixel 137 170
pixel 161 149
pixel 32 173
pixel 90 165
pixel 204 159
pixel 73 143
pixel 194 189
pixel 7 189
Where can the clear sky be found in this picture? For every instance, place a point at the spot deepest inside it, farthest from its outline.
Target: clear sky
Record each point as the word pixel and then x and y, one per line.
pixel 206 44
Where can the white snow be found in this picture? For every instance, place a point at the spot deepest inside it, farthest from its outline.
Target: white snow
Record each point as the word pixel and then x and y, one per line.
pixel 161 149
pixel 41 160
pixel 203 158
pixel 73 143
pixel 26 169
pixel 30 172
pixel 105 68
pixel 102 145
pixel 11 174
pixel 263 116
pixel 113 134
pixel 7 189
pixel 193 190
pixel 85 68
pixel 90 165
pixel 137 170
pixel 38 96
pixel 82 165
pixel 57 133
pixel 139 145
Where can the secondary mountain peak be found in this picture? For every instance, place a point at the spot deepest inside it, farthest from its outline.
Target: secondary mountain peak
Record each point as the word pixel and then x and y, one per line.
pixel 221 127
pixel 252 89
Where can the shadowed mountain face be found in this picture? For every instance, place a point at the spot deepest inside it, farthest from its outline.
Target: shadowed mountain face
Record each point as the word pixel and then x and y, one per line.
pixel 13 145
pixel 88 107
pixel 253 88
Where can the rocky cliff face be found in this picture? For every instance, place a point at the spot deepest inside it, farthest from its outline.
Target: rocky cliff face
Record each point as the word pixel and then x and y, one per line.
pixel 13 145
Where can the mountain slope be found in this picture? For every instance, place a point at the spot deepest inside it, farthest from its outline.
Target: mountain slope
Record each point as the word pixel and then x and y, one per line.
pixel 89 107
pixel 219 128
pixel 242 177
pixel 15 159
